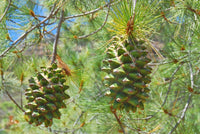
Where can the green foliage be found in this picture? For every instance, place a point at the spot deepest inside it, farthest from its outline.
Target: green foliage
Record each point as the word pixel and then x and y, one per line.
pixel 174 78
pixel 144 18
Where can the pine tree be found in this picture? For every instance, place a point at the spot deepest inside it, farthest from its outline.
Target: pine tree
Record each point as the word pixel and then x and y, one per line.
pixel 143 54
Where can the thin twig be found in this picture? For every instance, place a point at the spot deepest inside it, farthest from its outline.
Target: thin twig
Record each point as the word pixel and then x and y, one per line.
pixel 37 3
pixel 186 105
pixel 21 99
pixel 134 4
pixel 6 10
pixel 92 118
pixel 11 98
pixel 85 36
pixel 146 118
pixel 47 32
pixel 170 83
pixel 27 32
pixel 72 130
pixel 168 62
pixel 117 118
pixel 92 11
pixel 77 120
pixel 169 88
pixel 119 122
pixel 191 85
pixel 14 101
pixel 86 13
pixel 57 37
pixel 137 130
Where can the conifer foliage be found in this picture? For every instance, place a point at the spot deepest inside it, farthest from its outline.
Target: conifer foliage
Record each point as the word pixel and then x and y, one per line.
pixel 132 66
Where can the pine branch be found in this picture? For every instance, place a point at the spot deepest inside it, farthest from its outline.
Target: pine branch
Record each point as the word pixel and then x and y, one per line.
pixel 187 104
pixel 111 3
pixel 146 118
pixel 11 98
pixel 94 32
pixel 191 85
pixel 134 4
pixel 6 10
pixel 27 32
pixel 117 118
pixel 82 112
pixel 77 120
pixel 92 11
pixel 57 37
pixel 119 122
pixel 170 83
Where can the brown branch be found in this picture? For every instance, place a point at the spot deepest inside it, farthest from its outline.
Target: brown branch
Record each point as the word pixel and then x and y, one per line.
pixel 57 37
pixel 27 32
pixel 196 11
pixel 85 36
pixel 87 13
pixel 6 10
pixel 49 32
pixel 117 118
pixel 12 99
pixel 119 122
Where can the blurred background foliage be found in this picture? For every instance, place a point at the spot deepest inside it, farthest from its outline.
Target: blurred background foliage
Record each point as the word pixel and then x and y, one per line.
pixel 170 27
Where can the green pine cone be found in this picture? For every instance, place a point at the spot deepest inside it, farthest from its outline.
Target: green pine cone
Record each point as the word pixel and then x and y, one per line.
pixel 45 96
pixel 127 76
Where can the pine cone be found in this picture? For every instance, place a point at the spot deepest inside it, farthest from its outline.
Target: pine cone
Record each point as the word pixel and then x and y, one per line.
pixel 128 75
pixel 45 96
